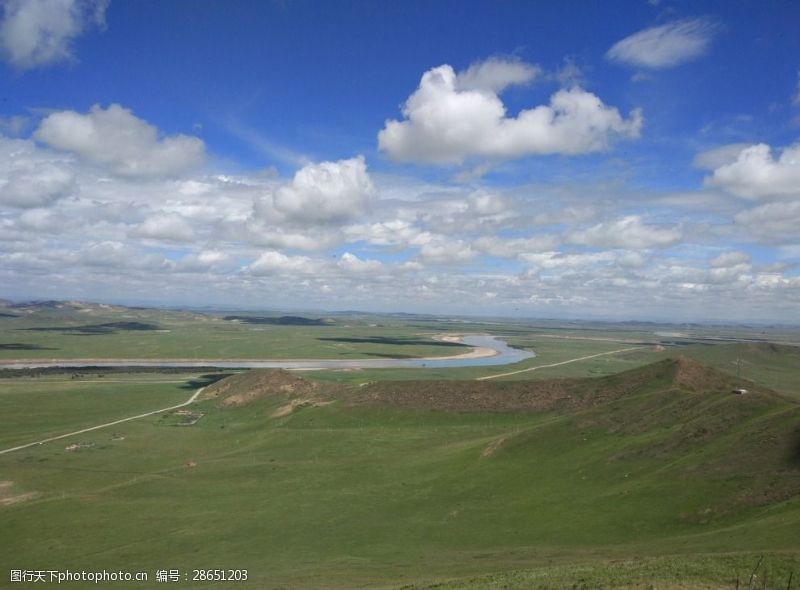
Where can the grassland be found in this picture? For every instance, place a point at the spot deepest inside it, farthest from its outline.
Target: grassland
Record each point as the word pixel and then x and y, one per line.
pixel 657 476
pixel 626 470
pixel 772 365
pixel 33 409
pixel 90 331
pixel 95 332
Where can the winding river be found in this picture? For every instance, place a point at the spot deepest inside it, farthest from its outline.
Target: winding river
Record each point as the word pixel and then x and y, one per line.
pixel 494 352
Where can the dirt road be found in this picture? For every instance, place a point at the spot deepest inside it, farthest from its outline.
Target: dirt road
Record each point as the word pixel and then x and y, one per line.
pixel 583 358
pixel 107 424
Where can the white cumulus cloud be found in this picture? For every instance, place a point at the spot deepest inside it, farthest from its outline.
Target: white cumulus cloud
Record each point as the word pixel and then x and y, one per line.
pixel 729 259
pixel 118 140
pixel 719 156
pixel 36 185
pixel 321 193
pixel 626 232
pixel 42 219
pixel 756 172
pixel 204 261
pixel 446 123
pixel 775 222
pixel 273 262
pixel 395 233
pixel 496 74
pixel 666 45
pixel 269 236
pixel 169 227
pixel 441 251
pixel 516 247
pixel 39 32
pixel 352 264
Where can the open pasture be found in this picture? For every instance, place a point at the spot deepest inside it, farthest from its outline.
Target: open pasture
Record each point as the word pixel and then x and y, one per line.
pixel 94 332
pixel 359 493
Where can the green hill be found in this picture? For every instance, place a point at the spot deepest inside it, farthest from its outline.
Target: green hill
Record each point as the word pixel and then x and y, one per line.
pixel 564 394
pixel 654 455
pixel 657 476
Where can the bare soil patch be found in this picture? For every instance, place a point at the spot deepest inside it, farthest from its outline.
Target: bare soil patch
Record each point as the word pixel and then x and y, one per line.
pixel 245 388
pixel 494 446
pixel 8 497
pixel 296 404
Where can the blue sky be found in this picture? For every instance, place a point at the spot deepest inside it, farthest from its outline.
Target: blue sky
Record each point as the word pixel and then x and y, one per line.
pixel 614 160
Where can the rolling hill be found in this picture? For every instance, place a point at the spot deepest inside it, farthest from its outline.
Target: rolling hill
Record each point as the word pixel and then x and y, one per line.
pixel 661 459
pixel 656 476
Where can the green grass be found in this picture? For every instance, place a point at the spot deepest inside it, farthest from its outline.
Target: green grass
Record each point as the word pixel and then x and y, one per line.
pixel 33 409
pixel 775 367
pixel 183 334
pixel 343 496
pixel 713 571
pixel 547 351
pixel 48 334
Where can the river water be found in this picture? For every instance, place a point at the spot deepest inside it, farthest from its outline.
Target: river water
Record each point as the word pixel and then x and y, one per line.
pixel 505 355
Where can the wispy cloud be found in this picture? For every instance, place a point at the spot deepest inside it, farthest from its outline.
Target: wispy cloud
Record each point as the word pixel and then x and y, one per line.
pixel 263 144
pixel 666 46
pixel 796 97
pixel 36 33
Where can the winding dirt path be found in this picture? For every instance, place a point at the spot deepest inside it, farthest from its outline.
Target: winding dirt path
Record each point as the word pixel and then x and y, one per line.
pixel 583 358
pixel 107 424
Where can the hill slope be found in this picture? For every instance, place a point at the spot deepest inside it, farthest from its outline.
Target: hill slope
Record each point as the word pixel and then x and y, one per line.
pixel 421 483
pixel 245 388
pixel 540 395
pixel 675 411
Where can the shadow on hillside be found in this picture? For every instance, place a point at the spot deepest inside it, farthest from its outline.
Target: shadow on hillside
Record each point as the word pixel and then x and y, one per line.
pixel 22 346
pixel 393 341
pixel 8 315
pixel 99 329
pixel 287 320
pixel 794 458
pixel 205 380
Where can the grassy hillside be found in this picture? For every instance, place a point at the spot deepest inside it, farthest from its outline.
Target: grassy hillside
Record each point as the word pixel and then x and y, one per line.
pixel 657 475
pixel 772 365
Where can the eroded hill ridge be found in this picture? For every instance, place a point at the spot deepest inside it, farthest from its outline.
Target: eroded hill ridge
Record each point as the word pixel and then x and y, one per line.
pixel 670 409
pixel 681 374
pixel 245 388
